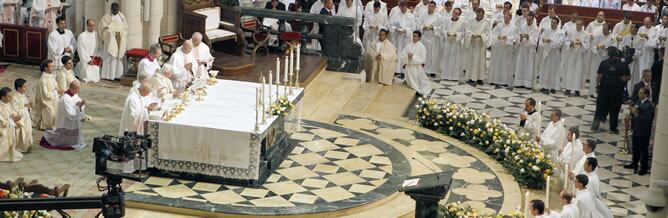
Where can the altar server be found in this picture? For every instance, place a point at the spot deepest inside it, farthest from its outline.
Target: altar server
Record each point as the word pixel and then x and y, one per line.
pixel 476 42
pixel 588 206
pixel 61 43
pixel 162 82
pixel 546 22
pixel 150 64
pixel 454 32
pixel 537 208
pixel 637 42
pixel 89 53
pixel 43 13
pixel 430 25
pixel 381 59
pixel 135 113
pixel 650 36
pixel 548 51
pixel 594 182
pixel 522 20
pixel 530 118
pixel 402 25
pixel 21 104
pixel 372 24
pixel 526 53
pixel 569 209
pixel 9 11
pixel 414 57
pixel 502 40
pixel 588 147
pixel 574 52
pixel 552 137
pixel 572 149
pixel 65 75
pixel 46 96
pixel 202 54
pixel 113 31
pixel 68 132
pixel 8 120
pixel 599 46
pixel 184 64
pixel 596 27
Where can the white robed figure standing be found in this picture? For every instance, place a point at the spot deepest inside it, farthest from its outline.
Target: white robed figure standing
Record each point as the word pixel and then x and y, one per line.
pixel 421 8
pixel 89 46
pixel 46 96
pixel 526 53
pixel 370 8
pixel 584 200
pixel 70 110
pixel 202 55
pixel 8 120
pixel 21 104
pixel 530 118
pixel 61 43
pixel 113 30
pixel 43 13
pixel 599 46
pixel 476 41
pixel 8 11
pixel 402 25
pixel 574 52
pixel 571 153
pixel 372 23
pixel 184 64
pixel 594 28
pixel 503 38
pixel 650 36
pixel 553 136
pixel 454 30
pixel 430 25
pixel 414 57
pixel 636 41
pixel 135 113
pixel 548 50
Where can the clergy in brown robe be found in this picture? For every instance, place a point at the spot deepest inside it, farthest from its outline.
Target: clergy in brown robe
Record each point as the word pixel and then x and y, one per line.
pixel 381 59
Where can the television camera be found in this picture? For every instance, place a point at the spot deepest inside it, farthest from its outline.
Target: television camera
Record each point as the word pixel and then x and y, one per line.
pixel 129 147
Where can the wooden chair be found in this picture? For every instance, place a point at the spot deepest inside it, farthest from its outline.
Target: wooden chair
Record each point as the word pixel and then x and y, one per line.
pixel 169 43
pixel 259 34
pixel 216 23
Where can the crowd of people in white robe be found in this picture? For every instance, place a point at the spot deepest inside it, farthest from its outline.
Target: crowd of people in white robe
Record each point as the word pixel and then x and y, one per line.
pixel 555 54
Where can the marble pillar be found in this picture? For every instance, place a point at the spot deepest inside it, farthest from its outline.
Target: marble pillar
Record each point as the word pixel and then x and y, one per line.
pixel 658 190
pixel 92 10
pixel 154 21
pixel 169 21
pixel 133 10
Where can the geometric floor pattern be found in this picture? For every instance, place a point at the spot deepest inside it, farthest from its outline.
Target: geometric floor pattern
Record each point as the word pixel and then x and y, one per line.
pixel 330 168
pixel 620 187
pixel 473 182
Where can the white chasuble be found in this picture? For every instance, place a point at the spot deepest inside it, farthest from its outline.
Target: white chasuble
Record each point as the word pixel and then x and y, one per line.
pixel 402 26
pixel 548 51
pixel 372 24
pixel 381 71
pixel 8 151
pixel 501 65
pixel 416 78
pixel 476 42
pixel 24 126
pixel 89 49
pixel 526 56
pixel 598 52
pixel 64 77
pixel 650 36
pixel 551 139
pixel 430 26
pixel 148 66
pixel 113 31
pixel 452 64
pixel 57 43
pixel 183 76
pixel 46 98
pixel 163 86
pixel 574 52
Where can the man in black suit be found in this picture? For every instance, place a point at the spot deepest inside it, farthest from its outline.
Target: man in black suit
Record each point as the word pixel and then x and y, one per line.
pixel 275 5
pixel 328 9
pixel 643 115
pixel 645 82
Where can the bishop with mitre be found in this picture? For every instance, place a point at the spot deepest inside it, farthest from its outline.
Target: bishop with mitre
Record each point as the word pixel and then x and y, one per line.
pixel 113 29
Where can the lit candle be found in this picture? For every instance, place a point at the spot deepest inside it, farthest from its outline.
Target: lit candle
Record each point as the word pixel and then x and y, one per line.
pixel 299 54
pixel 262 94
pixel 269 91
pixel 540 119
pixel 566 170
pixel 547 192
pixel 292 62
pixel 573 143
pixel 562 134
pixel 286 63
pixel 526 204
pixel 257 103
pixel 278 70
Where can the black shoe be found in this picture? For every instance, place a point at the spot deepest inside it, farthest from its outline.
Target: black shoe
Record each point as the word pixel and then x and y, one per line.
pixel 630 166
pixel 470 81
pixel 614 131
pixel 595 126
pixel 553 91
pixel 577 94
pixel 567 93
pixel 642 172
pixel 479 82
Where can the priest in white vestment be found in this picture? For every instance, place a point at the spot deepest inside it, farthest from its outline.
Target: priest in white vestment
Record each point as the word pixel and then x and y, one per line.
pixel 662 31
pixel 414 57
pixel 202 55
pixel 372 23
pixel 381 59
pixel 530 118
pixel 89 54
pixel 649 7
pixel 65 75
pixel 588 206
pixel 594 186
pixel 46 96
pixel 61 43
pixel 546 22
pixel 574 52
pixel 446 13
pixel 637 42
pixel 68 132
pixel 548 51
pixel 527 37
pixel 522 20
pixel 113 31
pixel 454 32
pixel 150 64
pixel 623 28
pixel 421 8
pixel 8 121
pixel 43 13
pixel 21 104
pixel 162 83
pixel 184 64
pixel 402 25
pixel 430 25
pixel 470 15
pixel 135 113
pixel 553 137
pixel 599 46
pixel 595 27
pixel 476 42
pixel 503 57
pixel 8 11
pixel 571 153
pixel 630 5
pixel 370 8
pixel 569 209
pixel 650 36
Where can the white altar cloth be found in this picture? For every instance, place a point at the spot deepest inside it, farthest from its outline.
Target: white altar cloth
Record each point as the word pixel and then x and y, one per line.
pixel 217 131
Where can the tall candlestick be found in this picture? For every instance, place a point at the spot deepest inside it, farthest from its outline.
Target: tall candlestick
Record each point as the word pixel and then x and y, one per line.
pixel 547 193
pixel 292 69
pixel 562 134
pixel 278 70
pixel 566 170
pixel 285 73
pixel 263 96
pixel 269 91
pixel 299 54
pixel 257 103
pixel 526 204
pixel 540 119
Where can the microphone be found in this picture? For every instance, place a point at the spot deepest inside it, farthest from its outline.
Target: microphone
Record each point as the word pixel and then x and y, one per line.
pixel 425 165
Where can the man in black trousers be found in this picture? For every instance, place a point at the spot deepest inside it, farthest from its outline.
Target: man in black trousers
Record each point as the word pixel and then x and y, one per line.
pixel 613 75
pixel 643 115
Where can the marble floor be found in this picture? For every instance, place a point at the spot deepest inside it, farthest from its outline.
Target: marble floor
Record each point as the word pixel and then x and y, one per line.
pixel 336 169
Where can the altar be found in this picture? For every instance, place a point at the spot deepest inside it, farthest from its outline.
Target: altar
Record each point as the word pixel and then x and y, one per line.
pixel 216 139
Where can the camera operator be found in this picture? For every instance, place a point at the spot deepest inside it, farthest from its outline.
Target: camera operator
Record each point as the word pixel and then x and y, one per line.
pixel 613 75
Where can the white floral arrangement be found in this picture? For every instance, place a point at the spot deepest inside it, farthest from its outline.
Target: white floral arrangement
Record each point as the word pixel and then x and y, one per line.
pixel 459 210
pixel 519 154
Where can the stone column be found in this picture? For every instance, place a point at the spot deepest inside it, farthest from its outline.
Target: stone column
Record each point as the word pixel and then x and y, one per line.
pixel 132 10
pixel 658 189
pixel 155 21
pixel 92 10
pixel 169 26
